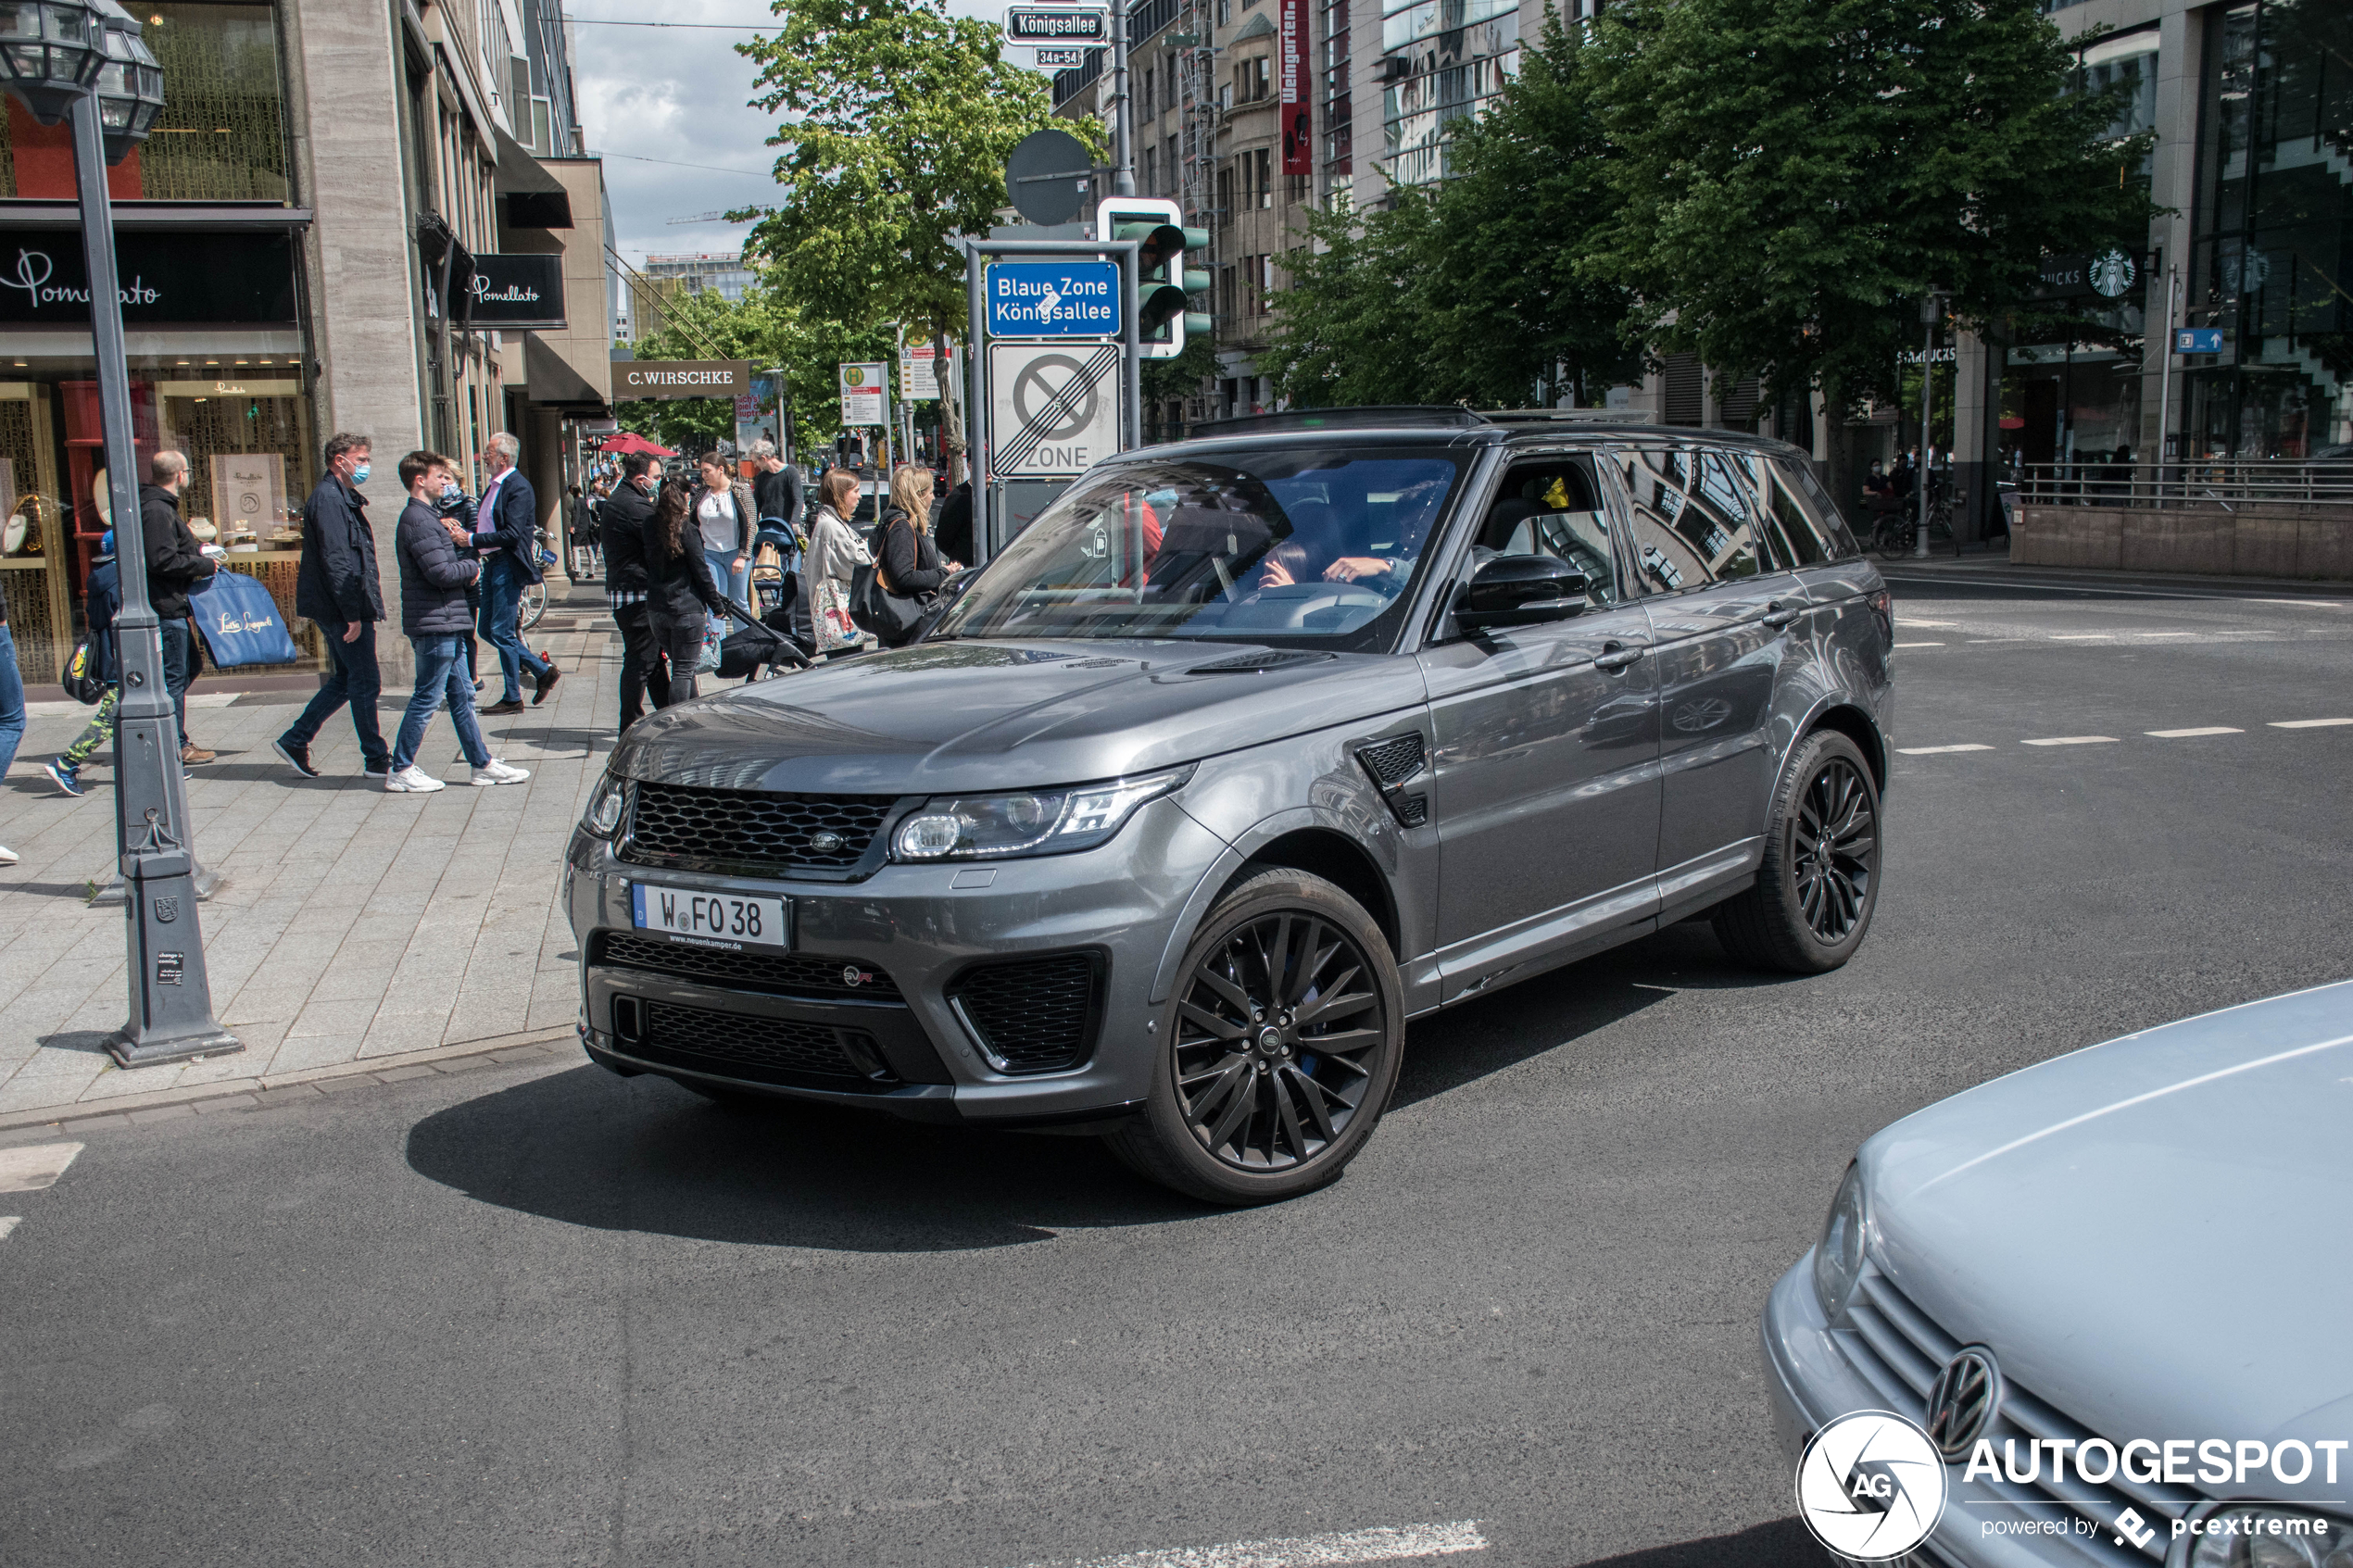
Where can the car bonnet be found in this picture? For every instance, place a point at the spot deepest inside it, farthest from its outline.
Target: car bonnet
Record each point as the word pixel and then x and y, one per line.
pixel 2153 1233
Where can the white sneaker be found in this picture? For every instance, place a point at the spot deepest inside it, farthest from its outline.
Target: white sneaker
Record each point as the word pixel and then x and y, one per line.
pixel 497 772
pixel 413 780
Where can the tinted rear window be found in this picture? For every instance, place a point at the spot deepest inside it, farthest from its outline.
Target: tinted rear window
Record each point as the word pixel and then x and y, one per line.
pixel 1837 541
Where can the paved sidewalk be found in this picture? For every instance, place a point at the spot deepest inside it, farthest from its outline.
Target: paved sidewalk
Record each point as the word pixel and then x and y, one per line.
pixel 351 924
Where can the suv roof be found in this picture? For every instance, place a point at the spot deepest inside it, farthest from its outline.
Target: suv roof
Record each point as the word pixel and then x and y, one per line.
pixel 1514 425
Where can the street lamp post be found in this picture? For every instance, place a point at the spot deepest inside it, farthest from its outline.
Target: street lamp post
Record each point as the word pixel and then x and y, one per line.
pixel 1930 308
pixel 85 60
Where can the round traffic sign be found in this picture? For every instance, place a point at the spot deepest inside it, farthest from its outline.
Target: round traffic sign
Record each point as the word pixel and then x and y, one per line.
pixel 1049 174
pixel 1035 395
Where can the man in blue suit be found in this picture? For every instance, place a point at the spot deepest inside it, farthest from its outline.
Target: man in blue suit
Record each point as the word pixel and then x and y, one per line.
pixel 506 538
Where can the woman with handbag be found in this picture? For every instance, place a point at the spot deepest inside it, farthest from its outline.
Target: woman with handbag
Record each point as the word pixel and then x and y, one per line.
pixel 907 566
pixel 830 565
pixel 682 601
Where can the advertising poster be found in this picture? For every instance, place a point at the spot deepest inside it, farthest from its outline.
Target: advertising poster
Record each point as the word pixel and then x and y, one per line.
pixel 1298 129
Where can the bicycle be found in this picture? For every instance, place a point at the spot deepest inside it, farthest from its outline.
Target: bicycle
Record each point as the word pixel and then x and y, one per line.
pixel 1897 533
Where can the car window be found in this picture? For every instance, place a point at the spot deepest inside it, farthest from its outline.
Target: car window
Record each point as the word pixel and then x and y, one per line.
pixel 1693 521
pixel 1313 546
pixel 1787 528
pixel 1552 508
pixel 1819 512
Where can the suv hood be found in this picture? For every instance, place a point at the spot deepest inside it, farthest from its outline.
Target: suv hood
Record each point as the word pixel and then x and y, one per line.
pixel 1000 715
pixel 2150 1234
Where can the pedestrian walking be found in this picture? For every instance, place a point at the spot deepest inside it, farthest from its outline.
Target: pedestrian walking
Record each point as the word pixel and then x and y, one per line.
pixel 11 708
pixel 906 561
pixel 456 506
pixel 507 534
pixel 953 530
pixel 775 491
pixel 682 601
pixel 436 565
pixel 338 589
pixel 834 554
pixel 175 564
pixel 100 604
pixel 627 513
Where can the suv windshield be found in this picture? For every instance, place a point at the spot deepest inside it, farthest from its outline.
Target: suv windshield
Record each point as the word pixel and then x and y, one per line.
pixel 1315 547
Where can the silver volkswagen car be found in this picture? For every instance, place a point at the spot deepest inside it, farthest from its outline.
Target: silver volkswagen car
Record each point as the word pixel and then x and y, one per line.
pixel 2114 1289
pixel 1247 751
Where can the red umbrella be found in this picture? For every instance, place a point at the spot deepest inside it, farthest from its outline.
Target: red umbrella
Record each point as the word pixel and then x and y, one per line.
pixel 630 441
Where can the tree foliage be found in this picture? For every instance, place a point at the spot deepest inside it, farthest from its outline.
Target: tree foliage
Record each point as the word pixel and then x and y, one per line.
pixel 1794 175
pixel 766 328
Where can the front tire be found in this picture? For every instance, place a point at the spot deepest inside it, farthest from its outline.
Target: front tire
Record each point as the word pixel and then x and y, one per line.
pixel 1819 881
pixel 1279 1051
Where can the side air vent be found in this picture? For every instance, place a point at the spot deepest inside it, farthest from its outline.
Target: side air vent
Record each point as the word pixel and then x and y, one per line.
pixel 1392 764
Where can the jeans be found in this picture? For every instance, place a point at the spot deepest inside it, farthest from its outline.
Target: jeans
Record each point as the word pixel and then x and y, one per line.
pixel 11 700
pixel 681 640
pixel 441 677
pixel 641 668
pixel 179 669
pixel 731 580
pixel 502 588
pixel 93 733
pixel 352 677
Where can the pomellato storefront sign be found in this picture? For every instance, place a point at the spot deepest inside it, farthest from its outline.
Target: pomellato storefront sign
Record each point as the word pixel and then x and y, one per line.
pixel 163 279
pixel 517 290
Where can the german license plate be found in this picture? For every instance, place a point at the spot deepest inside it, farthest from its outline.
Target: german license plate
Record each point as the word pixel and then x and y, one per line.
pixel 730 921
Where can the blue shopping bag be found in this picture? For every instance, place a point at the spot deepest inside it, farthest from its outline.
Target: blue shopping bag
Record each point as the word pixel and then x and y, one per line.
pixel 240 622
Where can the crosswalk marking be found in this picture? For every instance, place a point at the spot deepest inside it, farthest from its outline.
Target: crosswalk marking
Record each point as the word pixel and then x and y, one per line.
pixel 2081 636
pixel 2309 724
pixel 2071 740
pixel 1939 750
pixel 1920 644
pixel 34 1166
pixel 1388 1543
pixel 2182 735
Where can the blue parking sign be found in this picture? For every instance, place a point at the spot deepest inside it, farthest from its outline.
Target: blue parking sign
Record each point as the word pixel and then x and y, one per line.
pixel 1053 299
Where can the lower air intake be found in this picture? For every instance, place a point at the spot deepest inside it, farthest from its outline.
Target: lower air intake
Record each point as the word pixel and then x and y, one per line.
pixel 1032 1015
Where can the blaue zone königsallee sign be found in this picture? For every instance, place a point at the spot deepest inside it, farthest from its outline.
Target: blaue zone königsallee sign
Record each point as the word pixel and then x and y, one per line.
pixel 514 290
pixel 164 278
pixel 1053 299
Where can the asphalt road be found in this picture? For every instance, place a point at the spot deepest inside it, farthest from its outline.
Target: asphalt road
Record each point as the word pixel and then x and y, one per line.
pixel 529 1316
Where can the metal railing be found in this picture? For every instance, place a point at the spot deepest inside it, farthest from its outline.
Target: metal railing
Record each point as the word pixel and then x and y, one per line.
pixel 2226 483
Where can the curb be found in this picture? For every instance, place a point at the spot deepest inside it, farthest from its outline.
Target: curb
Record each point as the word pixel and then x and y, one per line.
pixel 1996 568
pixel 280 1088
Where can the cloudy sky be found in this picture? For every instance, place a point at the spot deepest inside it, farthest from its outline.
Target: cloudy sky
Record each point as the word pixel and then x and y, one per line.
pixel 666 107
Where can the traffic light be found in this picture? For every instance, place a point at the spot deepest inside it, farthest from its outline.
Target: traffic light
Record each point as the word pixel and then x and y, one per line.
pixel 1163 284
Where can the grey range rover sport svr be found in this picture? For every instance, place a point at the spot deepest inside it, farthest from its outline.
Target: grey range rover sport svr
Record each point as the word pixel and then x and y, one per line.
pixel 1250 749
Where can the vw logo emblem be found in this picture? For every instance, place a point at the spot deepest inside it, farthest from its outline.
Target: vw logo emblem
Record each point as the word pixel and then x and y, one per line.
pixel 1964 1401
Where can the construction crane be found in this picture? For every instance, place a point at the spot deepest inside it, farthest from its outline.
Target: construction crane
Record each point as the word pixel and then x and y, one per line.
pixel 698 218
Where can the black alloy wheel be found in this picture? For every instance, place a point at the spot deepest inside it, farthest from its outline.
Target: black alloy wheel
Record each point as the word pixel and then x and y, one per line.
pixel 1818 881
pixel 1837 843
pixel 1273 1035
pixel 1278 1052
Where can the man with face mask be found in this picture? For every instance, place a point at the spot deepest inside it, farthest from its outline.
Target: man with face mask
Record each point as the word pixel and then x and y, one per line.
pixel 337 588
pixel 626 511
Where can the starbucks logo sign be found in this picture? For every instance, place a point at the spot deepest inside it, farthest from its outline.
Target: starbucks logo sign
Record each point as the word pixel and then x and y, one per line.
pixel 2111 273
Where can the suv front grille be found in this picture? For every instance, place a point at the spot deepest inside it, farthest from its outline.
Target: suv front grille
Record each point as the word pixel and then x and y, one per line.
pixel 1899 1350
pixel 755 1047
pixel 794 974
pixel 750 833
pixel 1032 1015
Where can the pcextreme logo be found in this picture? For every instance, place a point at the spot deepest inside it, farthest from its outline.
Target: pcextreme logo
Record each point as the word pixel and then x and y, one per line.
pixel 1871 1485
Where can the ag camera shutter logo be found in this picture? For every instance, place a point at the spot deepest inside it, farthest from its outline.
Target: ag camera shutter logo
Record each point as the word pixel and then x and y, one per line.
pixel 1871 1485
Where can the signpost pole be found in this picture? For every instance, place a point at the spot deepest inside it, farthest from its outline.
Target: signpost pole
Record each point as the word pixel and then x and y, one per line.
pixel 1131 350
pixel 1928 405
pixel 1122 145
pixel 2165 374
pixel 976 398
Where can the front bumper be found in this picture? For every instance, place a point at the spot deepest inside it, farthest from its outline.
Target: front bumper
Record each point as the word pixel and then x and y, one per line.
pixel 1810 1382
pixel 922 926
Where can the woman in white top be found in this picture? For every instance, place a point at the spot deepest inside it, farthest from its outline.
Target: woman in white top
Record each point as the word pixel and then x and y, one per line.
pixel 724 518
pixel 835 553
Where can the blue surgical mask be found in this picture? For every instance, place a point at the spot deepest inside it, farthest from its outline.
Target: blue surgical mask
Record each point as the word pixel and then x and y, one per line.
pixel 360 475
pixel 450 490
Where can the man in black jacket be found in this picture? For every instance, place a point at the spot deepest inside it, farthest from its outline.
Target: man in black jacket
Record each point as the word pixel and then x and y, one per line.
pixel 626 512
pixel 953 531
pixel 175 564
pixel 336 587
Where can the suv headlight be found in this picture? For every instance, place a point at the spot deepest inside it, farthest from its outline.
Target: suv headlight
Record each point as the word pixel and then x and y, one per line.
pixel 1838 1257
pixel 2235 1536
pixel 1033 822
pixel 604 807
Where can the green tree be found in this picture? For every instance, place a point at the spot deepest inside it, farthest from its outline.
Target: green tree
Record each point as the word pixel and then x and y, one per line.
pixel 1353 327
pixel 898 120
pixel 764 328
pixel 1794 175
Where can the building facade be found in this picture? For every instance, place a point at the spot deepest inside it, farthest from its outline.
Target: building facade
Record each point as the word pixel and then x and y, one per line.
pixel 723 273
pixel 313 239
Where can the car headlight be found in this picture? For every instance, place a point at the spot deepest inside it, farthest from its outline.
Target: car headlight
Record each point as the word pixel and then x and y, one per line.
pixel 604 807
pixel 2236 1536
pixel 1030 822
pixel 1838 1257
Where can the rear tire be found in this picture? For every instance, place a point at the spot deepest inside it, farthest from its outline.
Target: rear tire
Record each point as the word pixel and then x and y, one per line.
pixel 1819 880
pixel 1279 1051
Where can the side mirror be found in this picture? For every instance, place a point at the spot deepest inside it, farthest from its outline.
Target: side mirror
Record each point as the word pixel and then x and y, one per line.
pixel 1521 591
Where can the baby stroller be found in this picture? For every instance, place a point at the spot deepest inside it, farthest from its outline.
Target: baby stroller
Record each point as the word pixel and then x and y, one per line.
pixel 762 647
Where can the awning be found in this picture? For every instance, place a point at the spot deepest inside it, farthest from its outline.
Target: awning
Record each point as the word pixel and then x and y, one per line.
pixel 518 171
pixel 550 381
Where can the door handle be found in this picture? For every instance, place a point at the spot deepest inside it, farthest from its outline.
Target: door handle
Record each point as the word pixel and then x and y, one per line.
pixel 1777 616
pixel 1615 655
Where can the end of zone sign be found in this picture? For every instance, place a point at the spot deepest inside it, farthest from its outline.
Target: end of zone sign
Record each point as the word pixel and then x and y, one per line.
pixel 1053 299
